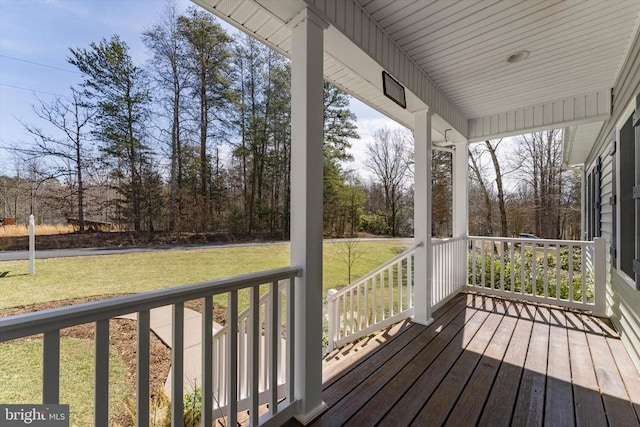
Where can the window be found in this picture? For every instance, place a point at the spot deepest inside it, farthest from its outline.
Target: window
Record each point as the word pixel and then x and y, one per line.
pixel 636 192
pixel 593 201
pixel 612 201
pixel 627 202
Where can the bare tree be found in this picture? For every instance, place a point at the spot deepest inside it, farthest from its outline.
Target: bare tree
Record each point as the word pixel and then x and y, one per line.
pixel 168 63
pixel 476 168
pixel 540 155
pixel 389 160
pixel 348 252
pixel 69 152
pixel 491 148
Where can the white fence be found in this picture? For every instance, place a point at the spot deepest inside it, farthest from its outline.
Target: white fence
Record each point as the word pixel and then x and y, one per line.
pixel 378 299
pixel 385 295
pixel 449 272
pixel 253 349
pixel 567 273
pixel 271 342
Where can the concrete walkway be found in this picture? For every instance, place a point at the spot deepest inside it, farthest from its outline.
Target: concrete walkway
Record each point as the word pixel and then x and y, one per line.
pixel 161 320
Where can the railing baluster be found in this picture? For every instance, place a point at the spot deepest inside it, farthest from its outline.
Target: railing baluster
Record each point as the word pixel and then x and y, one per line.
pixel 242 365
pixel 513 266
pixel 282 295
pixel 366 303
pixel 207 361
pixel 351 311
pixel 344 314
pixel 142 368
pixel 558 265
pixel 473 263
pixel 482 267
pixel 438 258
pixel 358 307
pixel 583 271
pixel 391 284
pixel 502 261
pixel 101 413
pixel 382 295
pixel 264 317
pixel 254 353
pixel 177 367
pixel 523 285
pixel 51 368
pixel 374 302
pixel 545 274
pixel 400 285
pixel 570 267
pixel 291 325
pixel 410 279
pixel 274 335
pixel 492 264
pixel 231 373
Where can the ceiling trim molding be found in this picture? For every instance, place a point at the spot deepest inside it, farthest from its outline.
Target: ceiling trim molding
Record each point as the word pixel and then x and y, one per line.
pixel 570 111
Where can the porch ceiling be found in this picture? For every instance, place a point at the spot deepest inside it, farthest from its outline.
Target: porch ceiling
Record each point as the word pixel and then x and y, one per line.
pixel 452 56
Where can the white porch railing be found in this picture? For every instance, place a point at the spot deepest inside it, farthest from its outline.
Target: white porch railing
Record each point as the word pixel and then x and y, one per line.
pixel 567 273
pixel 269 312
pixel 449 275
pixel 378 299
pixel 385 295
pixel 244 337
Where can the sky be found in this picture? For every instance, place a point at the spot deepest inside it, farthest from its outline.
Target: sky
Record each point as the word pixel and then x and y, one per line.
pixel 35 37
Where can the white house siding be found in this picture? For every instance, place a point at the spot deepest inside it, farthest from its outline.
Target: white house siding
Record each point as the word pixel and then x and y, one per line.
pixel 625 313
pixel 623 300
pixel 606 209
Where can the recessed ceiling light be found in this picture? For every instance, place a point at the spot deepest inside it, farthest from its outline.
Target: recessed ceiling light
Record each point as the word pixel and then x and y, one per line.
pixel 519 56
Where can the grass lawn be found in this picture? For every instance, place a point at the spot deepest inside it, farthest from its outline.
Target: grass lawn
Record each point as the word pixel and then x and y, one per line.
pixel 21 377
pixel 62 278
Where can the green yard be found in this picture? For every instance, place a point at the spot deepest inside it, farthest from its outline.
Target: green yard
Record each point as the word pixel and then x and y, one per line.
pixel 63 278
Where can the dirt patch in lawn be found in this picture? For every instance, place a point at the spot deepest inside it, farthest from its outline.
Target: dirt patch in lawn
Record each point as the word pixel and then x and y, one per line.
pixel 122 339
pixel 128 239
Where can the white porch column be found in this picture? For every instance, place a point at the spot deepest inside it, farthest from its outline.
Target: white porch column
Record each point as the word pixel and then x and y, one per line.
pixel 306 207
pixel 460 207
pixel 460 195
pixel 423 272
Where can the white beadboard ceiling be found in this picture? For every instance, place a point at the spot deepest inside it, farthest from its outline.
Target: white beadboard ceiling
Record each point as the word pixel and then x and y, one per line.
pixel 576 47
pixel 454 53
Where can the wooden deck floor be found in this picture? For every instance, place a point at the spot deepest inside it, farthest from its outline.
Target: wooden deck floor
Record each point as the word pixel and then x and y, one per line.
pixel 487 362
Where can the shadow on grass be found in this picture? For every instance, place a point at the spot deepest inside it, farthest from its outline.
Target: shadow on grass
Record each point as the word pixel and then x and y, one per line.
pixel 4 274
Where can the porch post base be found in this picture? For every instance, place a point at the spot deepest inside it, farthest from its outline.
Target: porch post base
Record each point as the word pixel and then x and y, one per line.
pixel 305 419
pixel 420 322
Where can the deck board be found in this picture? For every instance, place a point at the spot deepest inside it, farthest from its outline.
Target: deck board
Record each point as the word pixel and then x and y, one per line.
pixel 559 407
pixel 486 362
pixel 588 406
pixel 468 408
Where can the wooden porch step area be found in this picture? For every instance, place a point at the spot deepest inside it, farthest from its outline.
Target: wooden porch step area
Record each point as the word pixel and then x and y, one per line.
pixel 488 362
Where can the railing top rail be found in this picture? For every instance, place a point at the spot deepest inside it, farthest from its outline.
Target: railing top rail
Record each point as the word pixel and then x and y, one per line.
pixel 58 318
pixel 372 273
pixel 442 241
pixel 533 241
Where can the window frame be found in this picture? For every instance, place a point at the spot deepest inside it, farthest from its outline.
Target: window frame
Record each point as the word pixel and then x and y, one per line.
pixel 629 112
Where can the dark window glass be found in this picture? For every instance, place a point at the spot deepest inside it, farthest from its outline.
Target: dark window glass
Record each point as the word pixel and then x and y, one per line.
pixel 627 204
